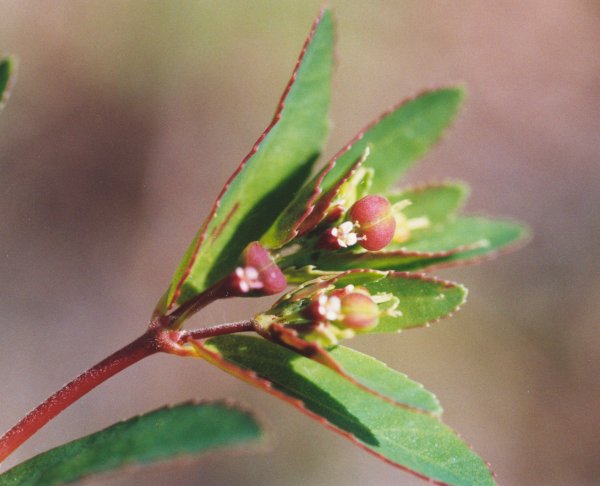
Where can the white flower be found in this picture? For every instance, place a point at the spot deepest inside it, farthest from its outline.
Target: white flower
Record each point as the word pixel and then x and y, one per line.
pixel 345 235
pixel 248 279
pixel 330 307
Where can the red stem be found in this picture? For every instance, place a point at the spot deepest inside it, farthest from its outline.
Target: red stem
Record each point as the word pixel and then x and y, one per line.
pixel 156 339
pixel 217 291
pixel 229 328
pixel 142 347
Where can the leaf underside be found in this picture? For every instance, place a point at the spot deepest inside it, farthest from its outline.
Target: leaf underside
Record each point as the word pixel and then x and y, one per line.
pixel 277 165
pixel 410 439
pixel 167 433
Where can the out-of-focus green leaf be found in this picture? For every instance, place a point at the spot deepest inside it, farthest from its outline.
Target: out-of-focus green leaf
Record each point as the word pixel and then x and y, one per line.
pixel 436 202
pixel 6 71
pixel 479 235
pixel 168 433
pixel 266 181
pixel 402 136
pixel 409 439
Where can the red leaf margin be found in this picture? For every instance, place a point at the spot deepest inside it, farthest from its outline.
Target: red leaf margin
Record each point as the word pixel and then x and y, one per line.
pixel 252 378
pixel 253 150
pixel 301 226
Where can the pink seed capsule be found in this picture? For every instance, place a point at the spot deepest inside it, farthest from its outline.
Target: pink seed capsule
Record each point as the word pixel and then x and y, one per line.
pixel 375 221
pixel 359 311
pixel 269 274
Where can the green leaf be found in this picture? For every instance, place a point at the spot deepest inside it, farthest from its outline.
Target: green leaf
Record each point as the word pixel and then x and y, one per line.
pixel 437 202
pixel 264 184
pixel 460 241
pixel 405 134
pixel 167 433
pixel 310 202
pixel 395 141
pixel 6 73
pixel 384 381
pixel 416 300
pixel 478 235
pixel 409 439
pixel 423 300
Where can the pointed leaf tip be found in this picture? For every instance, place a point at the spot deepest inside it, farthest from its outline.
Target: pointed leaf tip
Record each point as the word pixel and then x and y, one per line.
pixel 404 134
pixel 278 163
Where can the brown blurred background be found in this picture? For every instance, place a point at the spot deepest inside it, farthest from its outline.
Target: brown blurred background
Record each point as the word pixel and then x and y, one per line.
pixel 128 115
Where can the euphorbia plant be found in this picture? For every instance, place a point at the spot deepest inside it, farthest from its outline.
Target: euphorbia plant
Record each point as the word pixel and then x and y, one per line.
pixel 341 248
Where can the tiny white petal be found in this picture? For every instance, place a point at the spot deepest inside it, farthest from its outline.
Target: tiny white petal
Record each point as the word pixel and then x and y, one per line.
pixel 347 226
pixel 351 239
pixel 251 273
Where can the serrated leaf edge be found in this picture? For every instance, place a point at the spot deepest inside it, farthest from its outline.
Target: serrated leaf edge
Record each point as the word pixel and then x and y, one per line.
pixel 322 356
pixel 252 378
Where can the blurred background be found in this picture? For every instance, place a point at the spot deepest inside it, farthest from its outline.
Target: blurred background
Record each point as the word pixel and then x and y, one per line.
pixel 128 115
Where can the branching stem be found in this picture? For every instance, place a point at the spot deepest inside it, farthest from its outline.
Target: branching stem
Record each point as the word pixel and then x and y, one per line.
pixel 157 339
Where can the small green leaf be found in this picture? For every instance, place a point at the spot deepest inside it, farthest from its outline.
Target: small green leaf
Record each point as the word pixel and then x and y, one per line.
pixel 6 72
pixel 167 433
pixel 405 134
pixel 409 439
pixel 267 179
pixel 423 300
pixel 420 300
pixel 437 202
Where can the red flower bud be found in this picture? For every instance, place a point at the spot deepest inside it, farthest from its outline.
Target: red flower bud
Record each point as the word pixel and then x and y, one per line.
pixel 269 274
pixel 375 221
